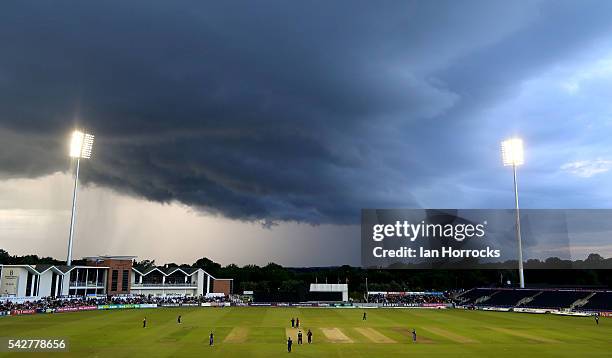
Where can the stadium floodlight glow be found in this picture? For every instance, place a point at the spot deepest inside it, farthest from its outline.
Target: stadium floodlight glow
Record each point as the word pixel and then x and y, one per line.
pixel 512 152
pixel 512 155
pixel 81 145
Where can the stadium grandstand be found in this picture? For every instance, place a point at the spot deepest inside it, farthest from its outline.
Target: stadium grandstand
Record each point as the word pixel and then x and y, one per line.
pixel 506 298
pixel 108 276
pixel 473 296
pixel 557 299
pixel 600 301
pixel 577 300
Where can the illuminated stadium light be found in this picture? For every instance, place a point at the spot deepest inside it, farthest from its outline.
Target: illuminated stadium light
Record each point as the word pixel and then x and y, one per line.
pixel 512 152
pixel 512 155
pixel 81 145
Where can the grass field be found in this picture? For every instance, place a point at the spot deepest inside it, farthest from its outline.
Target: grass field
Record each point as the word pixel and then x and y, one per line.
pixel 262 332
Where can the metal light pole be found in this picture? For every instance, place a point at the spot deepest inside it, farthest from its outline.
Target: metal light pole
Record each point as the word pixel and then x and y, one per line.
pixel 512 155
pixel 80 147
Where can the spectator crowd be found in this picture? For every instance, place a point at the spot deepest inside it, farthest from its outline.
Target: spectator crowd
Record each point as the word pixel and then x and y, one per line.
pixel 409 298
pixel 45 303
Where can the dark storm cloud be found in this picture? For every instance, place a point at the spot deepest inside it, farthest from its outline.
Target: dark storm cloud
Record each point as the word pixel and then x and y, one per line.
pixel 275 110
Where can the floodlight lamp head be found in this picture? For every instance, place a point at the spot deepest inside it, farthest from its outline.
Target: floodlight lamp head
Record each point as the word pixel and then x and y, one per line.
pixel 81 145
pixel 512 152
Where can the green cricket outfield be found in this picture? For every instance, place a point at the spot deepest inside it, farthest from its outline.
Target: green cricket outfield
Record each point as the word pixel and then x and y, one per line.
pixel 262 332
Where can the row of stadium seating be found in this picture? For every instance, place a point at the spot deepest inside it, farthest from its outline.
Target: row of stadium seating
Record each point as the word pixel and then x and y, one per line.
pixel 601 300
pixel 535 298
pixel 507 298
pixel 556 299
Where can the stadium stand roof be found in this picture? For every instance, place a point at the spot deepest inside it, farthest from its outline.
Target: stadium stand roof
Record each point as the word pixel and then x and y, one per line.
pixel 167 271
pixel 66 269
pixel 37 269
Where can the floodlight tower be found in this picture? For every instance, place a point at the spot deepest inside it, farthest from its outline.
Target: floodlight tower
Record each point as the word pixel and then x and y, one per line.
pixel 512 155
pixel 80 148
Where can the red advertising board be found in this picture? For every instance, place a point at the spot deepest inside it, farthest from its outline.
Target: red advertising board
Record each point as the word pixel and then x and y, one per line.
pixel 18 312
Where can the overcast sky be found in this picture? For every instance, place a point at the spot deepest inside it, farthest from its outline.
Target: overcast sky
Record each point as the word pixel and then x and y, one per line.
pixel 255 132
